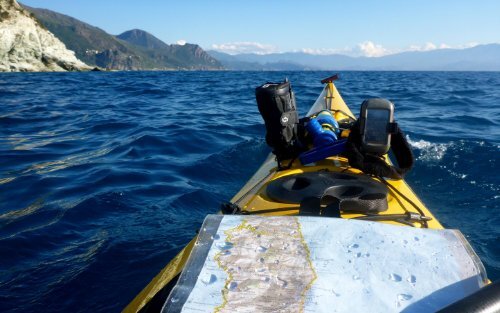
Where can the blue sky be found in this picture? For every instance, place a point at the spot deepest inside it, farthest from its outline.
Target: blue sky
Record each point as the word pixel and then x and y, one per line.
pixel 361 27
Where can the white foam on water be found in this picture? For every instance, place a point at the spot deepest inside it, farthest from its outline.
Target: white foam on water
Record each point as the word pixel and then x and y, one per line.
pixel 429 151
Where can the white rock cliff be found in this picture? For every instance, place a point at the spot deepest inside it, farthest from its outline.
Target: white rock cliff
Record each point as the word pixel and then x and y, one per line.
pixel 26 46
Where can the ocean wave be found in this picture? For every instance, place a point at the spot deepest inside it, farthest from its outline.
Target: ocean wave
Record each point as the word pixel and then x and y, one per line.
pixel 428 151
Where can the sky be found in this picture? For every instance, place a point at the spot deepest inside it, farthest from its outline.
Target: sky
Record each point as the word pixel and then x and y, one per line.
pixel 363 27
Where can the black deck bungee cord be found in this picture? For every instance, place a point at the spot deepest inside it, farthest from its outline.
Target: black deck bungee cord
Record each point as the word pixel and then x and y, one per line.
pixel 424 222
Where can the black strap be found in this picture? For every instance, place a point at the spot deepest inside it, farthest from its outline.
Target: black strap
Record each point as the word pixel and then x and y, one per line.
pixel 392 128
pixel 402 152
pixel 376 165
pixel 311 206
pixel 229 208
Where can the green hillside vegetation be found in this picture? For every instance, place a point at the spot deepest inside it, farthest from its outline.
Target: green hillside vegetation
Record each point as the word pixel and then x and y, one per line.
pixel 133 50
pixel 188 56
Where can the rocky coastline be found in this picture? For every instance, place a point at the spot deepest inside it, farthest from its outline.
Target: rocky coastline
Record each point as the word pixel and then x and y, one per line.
pixel 26 46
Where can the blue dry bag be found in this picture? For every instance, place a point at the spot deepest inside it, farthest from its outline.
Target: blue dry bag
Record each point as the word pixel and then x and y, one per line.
pixel 324 130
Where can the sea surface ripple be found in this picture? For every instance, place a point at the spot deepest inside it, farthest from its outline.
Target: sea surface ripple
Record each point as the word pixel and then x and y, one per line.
pixel 104 177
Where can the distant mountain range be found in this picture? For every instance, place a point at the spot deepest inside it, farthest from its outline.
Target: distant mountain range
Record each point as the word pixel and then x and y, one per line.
pixel 479 58
pixel 132 50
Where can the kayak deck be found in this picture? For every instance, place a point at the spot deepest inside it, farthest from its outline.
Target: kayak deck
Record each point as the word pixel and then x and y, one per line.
pixel 253 199
pixel 257 202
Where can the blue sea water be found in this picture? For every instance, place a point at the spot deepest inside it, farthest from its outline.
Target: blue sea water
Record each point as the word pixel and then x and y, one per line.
pixel 104 177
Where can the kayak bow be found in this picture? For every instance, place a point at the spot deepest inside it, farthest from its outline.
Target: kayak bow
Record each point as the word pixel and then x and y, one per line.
pixel 271 192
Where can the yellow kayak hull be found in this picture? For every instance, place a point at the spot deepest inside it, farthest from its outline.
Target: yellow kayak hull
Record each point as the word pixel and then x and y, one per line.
pixel 252 199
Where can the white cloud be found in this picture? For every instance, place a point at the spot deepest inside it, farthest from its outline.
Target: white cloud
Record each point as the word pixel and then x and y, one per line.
pixel 468 45
pixel 370 49
pixel 245 47
pixel 325 51
pixel 428 46
pixel 367 48
pixel 181 42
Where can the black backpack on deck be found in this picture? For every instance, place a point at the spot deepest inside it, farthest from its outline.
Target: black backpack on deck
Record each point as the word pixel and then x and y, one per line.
pixel 276 102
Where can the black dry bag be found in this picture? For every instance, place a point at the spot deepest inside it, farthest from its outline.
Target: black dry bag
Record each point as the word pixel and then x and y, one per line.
pixel 276 103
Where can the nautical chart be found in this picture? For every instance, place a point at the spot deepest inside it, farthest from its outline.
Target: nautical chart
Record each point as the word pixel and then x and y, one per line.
pixel 312 264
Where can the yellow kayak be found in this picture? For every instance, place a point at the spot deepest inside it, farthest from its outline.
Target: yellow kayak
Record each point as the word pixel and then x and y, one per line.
pixel 270 192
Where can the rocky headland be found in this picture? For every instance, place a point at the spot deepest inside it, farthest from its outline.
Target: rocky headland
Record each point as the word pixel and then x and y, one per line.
pixel 40 40
pixel 26 46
